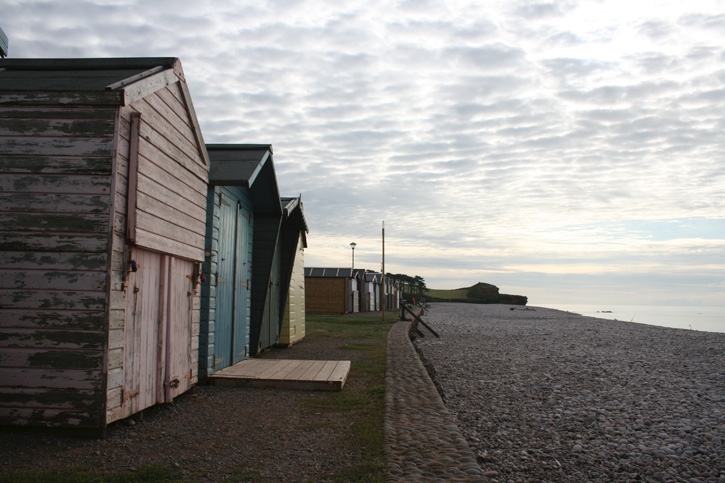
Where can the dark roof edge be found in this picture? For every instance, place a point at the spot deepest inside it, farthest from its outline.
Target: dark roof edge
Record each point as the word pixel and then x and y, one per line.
pixel 101 63
pixel 239 147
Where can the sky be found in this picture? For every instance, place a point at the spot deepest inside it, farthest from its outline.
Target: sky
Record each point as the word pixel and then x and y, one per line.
pixel 569 151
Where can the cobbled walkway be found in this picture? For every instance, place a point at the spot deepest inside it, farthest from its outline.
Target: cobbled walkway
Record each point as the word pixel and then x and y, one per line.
pixel 422 441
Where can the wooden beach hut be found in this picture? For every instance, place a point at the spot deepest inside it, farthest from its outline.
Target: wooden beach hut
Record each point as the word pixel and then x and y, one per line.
pixel 102 218
pixel 371 291
pixel 243 177
pixel 294 242
pixel 332 290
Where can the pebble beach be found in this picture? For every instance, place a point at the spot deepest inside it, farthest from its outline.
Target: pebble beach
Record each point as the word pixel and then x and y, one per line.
pixel 546 395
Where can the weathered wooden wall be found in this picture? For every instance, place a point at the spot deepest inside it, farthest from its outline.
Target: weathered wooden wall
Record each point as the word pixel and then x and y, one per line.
pixel 210 330
pixel 293 324
pixel 264 276
pixel 168 238
pixel 55 198
pixel 326 295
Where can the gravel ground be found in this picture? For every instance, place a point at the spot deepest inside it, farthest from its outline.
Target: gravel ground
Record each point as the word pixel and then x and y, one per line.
pixel 212 434
pixel 544 395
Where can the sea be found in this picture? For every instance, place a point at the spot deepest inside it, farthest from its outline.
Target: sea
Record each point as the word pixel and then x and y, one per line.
pixel 707 319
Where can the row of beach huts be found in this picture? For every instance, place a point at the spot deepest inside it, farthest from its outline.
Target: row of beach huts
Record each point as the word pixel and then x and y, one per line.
pixel 136 260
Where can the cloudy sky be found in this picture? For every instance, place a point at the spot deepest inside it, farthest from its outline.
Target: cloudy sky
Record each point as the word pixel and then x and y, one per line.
pixel 573 152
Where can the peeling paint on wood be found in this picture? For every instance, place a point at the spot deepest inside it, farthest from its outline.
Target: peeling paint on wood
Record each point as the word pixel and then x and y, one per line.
pixel 56 127
pixel 83 223
pixel 40 319
pixel 70 329
pixel 52 280
pixel 21 242
pixel 51 378
pixel 56 203
pixel 40 98
pixel 52 300
pixel 48 165
pixel 52 183
pixel 51 359
pixel 56 146
pixel 56 339
pixel 69 398
pixel 56 261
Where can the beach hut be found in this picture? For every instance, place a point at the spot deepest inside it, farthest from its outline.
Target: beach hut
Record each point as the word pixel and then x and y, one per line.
pixel 102 219
pixel 294 242
pixel 332 290
pixel 371 291
pixel 246 319
pixel 391 293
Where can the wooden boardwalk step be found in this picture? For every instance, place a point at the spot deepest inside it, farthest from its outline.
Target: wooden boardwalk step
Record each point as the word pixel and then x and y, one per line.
pixel 284 374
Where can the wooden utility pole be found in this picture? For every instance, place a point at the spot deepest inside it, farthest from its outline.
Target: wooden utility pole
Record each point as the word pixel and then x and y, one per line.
pixel 385 295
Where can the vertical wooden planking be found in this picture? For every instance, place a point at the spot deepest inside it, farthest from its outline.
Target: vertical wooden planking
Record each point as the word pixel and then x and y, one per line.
pixel 181 360
pixel 132 177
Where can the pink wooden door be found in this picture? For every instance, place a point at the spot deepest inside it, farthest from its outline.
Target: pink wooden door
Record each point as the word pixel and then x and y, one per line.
pixel 179 361
pixel 158 357
pixel 142 374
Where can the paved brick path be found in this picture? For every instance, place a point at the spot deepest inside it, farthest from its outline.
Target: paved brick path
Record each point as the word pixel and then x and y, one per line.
pixel 422 441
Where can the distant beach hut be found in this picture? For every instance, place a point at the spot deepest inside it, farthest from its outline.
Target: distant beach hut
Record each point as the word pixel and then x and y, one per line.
pixel 102 213
pixel 294 242
pixel 243 304
pixel 372 291
pixel 332 290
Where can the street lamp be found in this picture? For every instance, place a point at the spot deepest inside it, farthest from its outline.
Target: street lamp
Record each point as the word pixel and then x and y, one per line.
pixel 353 245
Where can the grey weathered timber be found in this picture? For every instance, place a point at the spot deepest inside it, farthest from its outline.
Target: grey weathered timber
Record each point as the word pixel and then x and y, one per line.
pixel 94 325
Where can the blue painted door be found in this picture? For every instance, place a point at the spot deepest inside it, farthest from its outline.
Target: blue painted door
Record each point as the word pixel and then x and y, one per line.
pixel 226 265
pixel 240 347
pixel 232 311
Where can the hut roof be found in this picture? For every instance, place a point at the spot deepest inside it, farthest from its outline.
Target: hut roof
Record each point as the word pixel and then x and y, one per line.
pixel 112 76
pixel 333 272
pixel 249 165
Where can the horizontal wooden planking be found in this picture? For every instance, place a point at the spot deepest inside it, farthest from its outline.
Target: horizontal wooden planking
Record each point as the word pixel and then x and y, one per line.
pixel 173 98
pixel 54 222
pixel 52 280
pixel 81 379
pixel 161 244
pixel 163 193
pixel 114 413
pixel 50 398
pixel 164 135
pixel 53 261
pixel 116 319
pixel 66 165
pixel 52 339
pixel 52 300
pixel 115 358
pixel 114 398
pixel 48 98
pixel 56 183
pixel 41 242
pixel 116 339
pixel 54 203
pixel 118 301
pixel 49 319
pixel 59 112
pixel 157 166
pixel 140 90
pixel 56 146
pixel 79 128
pixel 173 213
pixel 51 359
pixel 151 229
pixel 72 419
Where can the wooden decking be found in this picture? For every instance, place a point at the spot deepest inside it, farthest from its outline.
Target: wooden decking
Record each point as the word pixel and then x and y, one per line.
pixel 284 374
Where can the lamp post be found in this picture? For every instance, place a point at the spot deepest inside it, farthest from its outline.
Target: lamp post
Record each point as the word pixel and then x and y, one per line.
pixel 353 245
